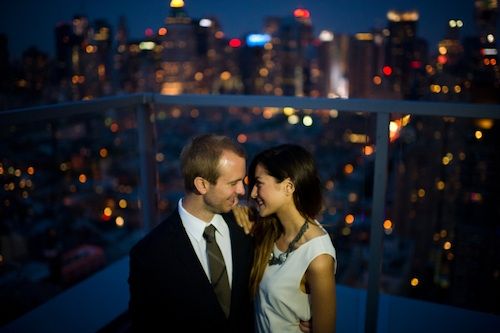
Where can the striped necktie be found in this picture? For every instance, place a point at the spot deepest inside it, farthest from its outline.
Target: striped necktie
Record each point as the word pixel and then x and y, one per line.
pixel 217 268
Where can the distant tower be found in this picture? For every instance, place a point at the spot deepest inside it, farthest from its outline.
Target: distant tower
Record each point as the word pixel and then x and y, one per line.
pixel 486 20
pixel 120 57
pixel 179 59
pixel 255 64
pixel 362 62
pixel 121 37
pixel 451 46
pixel 35 69
pixel 326 56
pixel 486 85
pixel 405 53
pixel 100 49
pixel 295 34
pixel 177 13
pixel 64 45
pixel 446 82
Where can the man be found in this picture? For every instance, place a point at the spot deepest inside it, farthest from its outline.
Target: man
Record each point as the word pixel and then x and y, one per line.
pixel 171 286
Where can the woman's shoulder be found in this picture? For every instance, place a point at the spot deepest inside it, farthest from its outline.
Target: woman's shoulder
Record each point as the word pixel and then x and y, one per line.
pixel 315 230
pixel 318 241
pixel 320 249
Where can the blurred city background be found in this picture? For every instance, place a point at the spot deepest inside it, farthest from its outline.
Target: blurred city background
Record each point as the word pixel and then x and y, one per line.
pixel 70 199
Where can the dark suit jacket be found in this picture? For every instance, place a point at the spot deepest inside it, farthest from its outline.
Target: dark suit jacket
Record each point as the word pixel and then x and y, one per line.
pixel 169 289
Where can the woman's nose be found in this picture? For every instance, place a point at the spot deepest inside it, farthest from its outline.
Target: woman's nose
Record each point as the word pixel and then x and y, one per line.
pixel 240 189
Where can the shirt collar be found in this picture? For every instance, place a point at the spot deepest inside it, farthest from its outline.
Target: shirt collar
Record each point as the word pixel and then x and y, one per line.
pixel 196 226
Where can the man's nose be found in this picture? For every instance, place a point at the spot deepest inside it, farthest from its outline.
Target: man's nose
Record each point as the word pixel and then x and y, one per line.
pixel 240 189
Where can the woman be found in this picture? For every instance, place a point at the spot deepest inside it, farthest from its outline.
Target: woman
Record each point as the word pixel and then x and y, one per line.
pixel 293 276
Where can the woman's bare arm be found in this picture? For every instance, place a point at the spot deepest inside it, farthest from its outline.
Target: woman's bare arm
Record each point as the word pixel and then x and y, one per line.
pixel 320 280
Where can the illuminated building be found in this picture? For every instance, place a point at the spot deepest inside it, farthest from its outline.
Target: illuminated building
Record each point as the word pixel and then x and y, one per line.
pixel 219 70
pixel 486 12
pixel 486 83
pixel 80 30
pixel 406 54
pixel 256 65
pixel 179 53
pixel 362 65
pixel 369 75
pixel 294 53
pixel 83 55
pixel 448 73
pixel 99 52
pixel 333 55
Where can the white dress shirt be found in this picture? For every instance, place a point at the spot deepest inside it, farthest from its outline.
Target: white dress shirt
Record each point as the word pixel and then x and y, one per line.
pixel 195 228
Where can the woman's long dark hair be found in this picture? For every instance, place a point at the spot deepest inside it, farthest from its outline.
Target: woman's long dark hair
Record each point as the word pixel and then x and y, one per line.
pixel 282 162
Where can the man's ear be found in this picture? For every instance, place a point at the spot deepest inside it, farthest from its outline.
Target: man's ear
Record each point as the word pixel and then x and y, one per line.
pixel 201 185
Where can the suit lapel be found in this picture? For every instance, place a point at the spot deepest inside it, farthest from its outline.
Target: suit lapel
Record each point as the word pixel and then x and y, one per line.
pixel 236 250
pixel 182 248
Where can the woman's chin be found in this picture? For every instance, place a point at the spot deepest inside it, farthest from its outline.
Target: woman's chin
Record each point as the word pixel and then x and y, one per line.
pixel 262 213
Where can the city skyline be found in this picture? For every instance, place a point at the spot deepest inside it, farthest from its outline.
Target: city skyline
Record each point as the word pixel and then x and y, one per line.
pixel 346 17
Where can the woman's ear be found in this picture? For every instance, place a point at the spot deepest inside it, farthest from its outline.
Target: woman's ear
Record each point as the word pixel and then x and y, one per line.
pixel 289 186
pixel 201 185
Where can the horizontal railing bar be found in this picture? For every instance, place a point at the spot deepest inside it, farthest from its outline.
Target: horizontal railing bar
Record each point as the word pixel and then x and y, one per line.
pixel 350 105
pixel 54 111
pixel 466 110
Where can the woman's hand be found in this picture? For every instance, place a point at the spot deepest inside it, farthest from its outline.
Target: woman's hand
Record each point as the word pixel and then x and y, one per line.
pixel 242 215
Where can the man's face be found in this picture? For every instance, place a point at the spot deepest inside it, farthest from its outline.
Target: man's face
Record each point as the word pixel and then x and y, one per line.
pixel 222 196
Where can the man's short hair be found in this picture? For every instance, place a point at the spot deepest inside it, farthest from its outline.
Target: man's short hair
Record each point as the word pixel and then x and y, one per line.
pixel 201 156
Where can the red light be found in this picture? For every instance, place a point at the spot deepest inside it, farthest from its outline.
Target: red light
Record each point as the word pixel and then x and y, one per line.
pixel 442 59
pixel 416 64
pixel 148 32
pixel 301 13
pixel 235 42
pixel 162 31
pixel 387 70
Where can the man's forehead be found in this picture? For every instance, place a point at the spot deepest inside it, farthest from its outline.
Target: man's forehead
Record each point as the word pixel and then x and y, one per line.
pixel 228 157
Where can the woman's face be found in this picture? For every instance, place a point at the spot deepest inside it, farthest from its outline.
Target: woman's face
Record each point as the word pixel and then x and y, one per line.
pixel 268 193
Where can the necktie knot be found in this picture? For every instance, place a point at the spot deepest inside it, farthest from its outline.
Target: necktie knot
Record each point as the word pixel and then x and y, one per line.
pixel 209 233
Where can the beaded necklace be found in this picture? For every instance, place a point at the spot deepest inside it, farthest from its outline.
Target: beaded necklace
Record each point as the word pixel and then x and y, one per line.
pixel 273 260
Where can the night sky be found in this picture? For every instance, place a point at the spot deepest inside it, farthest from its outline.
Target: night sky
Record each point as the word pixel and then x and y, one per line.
pixel 32 22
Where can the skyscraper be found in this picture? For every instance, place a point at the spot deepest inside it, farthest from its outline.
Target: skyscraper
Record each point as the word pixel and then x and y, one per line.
pixel 179 55
pixel 486 83
pixel 405 54
pixel 295 52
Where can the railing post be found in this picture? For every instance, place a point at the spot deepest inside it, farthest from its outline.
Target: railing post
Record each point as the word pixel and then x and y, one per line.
pixel 378 216
pixel 147 165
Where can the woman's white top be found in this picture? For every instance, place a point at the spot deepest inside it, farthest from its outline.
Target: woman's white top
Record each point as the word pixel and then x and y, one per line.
pixel 280 304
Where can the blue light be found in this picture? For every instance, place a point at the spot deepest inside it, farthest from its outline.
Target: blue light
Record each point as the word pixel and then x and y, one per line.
pixel 257 39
